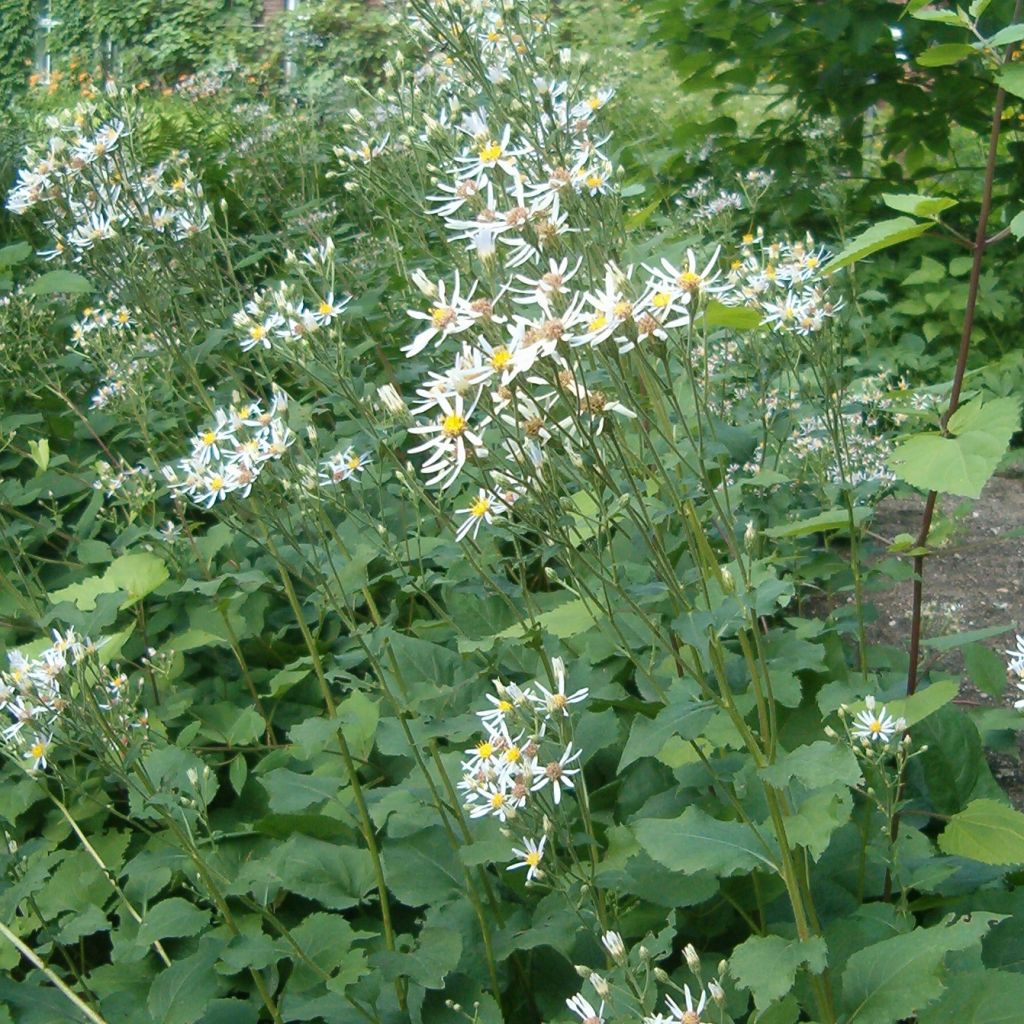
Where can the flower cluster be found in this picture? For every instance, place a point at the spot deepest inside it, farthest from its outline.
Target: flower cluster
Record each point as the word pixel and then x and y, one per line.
pixel 525 760
pixel 228 456
pixel 281 314
pixel 88 187
pixel 342 466
pixel 1016 667
pixel 36 694
pixel 783 281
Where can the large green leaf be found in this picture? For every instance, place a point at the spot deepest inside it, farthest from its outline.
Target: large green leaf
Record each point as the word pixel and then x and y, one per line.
pixel 833 519
pixel 173 918
pixel 898 977
pixel 982 997
pixel 879 236
pixel 697 842
pixel 682 716
pixel 766 965
pixel 986 830
pixel 963 463
pixel 179 994
pixel 59 281
pixel 939 56
pixel 919 206
pixel 1011 78
pixel 739 317
pixel 136 574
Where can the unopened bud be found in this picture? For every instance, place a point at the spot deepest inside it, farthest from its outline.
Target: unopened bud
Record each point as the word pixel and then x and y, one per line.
pixel 582 970
pixel 601 986
pixel 716 991
pixel 692 959
pixel 612 941
pixel 661 975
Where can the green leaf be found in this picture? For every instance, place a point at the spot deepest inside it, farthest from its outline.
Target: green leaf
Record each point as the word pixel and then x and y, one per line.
pixel 941 17
pixel 336 876
pixel 55 282
pixel 422 868
pixel 436 956
pixel 986 831
pixel 17 253
pixel 1017 225
pixel 171 919
pixel 919 206
pixel 816 765
pixel 179 994
pixel 986 669
pixel 683 716
pixel 1010 34
pixel 937 57
pixel 697 842
pixel 921 704
pixel 898 977
pixel 961 464
pixel 137 575
pixel 767 965
pixel 570 619
pixel 739 317
pixel 290 791
pixel 833 519
pixel 1011 78
pixel 880 236
pixel 982 997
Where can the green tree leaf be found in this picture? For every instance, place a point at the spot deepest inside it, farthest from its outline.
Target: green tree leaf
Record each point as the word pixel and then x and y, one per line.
pixel 961 464
pixel 898 977
pixel 879 236
pixel 1011 78
pixel 939 56
pixel 766 965
pixel 986 669
pixel 919 206
pixel 986 831
pixel 817 765
pixel 833 519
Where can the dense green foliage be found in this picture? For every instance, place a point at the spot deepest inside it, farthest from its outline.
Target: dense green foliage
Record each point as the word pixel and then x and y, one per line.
pixel 465 464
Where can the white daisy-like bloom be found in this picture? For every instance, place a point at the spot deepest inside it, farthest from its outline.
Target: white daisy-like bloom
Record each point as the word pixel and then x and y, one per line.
pixel 453 198
pixel 691 1015
pixel 557 774
pixel 482 509
pixel 1016 663
pixel 448 315
pixel 341 466
pixel 488 154
pixel 498 801
pixel 688 280
pixel 875 726
pixel 98 227
pixel 327 309
pixel 583 1009
pixel 447 440
pixel 541 291
pixel 529 858
pixel 36 751
pixel 556 701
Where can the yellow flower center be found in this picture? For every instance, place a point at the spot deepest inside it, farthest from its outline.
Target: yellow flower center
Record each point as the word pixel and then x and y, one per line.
pixel 504 706
pixel 257 332
pixel 484 749
pixel 622 310
pixel 594 102
pixel 500 358
pixel 489 153
pixel 209 437
pixel 598 322
pixel 480 507
pixel 354 462
pixel 748 238
pixel 558 701
pixel 38 749
pixel 532 858
pixel 594 181
pixel 441 316
pixel 216 483
pixel 326 309
pixel 875 726
pixel 688 281
pixel 660 300
pixel 453 425
pixel 497 800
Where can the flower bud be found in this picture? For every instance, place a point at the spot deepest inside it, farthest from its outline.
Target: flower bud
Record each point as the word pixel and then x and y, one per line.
pixel 692 959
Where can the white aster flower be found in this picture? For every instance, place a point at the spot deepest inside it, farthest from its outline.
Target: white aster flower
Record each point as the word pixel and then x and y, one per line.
pixel 530 858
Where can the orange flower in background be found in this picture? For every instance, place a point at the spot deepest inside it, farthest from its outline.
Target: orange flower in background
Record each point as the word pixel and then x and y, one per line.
pixel 33 79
